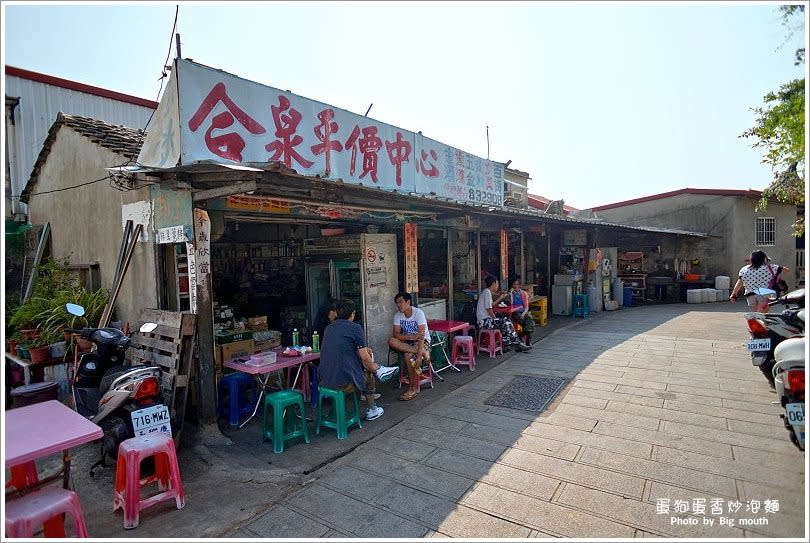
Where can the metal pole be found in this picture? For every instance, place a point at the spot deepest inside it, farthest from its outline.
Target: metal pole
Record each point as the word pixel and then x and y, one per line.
pixel 177 41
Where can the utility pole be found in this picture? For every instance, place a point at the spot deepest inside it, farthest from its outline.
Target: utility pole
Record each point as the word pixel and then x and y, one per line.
pixel 177 41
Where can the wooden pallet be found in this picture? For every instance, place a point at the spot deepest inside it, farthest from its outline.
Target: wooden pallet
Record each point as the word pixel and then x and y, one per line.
pixel 170 346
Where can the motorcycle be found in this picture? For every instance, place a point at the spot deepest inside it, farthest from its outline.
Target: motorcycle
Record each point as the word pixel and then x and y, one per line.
pixel 123 400
pixel 788 374
pixel 769 329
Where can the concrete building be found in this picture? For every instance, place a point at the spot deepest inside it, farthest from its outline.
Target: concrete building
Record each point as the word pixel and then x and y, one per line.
pixel 733 226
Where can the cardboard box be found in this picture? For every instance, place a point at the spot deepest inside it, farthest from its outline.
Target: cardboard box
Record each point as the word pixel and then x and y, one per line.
pixel 257 323
pixel 266 345
pixel 237 349
pixel 231 336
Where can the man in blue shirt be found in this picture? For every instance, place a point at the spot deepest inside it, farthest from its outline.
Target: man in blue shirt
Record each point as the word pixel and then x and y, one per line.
pixel 347 361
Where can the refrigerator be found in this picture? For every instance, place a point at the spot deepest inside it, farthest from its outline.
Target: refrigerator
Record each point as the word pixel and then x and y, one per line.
pixel 362 268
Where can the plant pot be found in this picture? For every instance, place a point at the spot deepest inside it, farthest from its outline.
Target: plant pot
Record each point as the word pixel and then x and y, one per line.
pixel 30 333
pixel 23 352
pixel 58 349
pixel 40 354
pixel 12 346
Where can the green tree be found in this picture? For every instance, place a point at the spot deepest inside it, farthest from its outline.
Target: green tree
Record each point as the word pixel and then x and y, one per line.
pixel 779 130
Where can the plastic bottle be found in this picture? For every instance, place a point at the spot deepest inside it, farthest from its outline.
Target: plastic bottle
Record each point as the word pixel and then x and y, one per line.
pixel 295 337
pixel 316 342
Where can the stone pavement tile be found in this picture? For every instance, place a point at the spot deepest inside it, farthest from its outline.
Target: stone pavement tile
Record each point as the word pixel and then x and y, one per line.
pixel 774 429
pixel 618 396
pixel 658 471
pixel 755 403
pixel 639 514
pixel 792 459
pixel 280 521
pixel 734 469
pixel 585 401
pixel 791 500
pixel 717 411
pixel 447 517
pixel 590 383
pixel 350 516
pixel 627 418
pixel 359 484
pixel 732 438
pixel 575 472
pixel 711 393
pixel 668 395
pixel 779 525
pixel 522 481
pixel 550 518
pixel 669 414
pixel 482 418
pixel 432 419
pixel 628 381
pixel 417 475
pixel 485 450
pixel 742 387
pixel 572 421
pixel 509 438
pixel 403 447
pixel 590 439
pixel 702 442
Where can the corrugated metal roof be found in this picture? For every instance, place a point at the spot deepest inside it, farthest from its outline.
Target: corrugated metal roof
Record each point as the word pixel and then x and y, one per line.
pixel 711 192
pixel 125 141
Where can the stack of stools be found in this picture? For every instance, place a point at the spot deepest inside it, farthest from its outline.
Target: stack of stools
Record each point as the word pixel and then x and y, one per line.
pixel 490 340
pixel 342 420
pixel 284 423
pixel 582 306
pixel 463 351
pixel 46 508
pixel 128 482
pixel 237 396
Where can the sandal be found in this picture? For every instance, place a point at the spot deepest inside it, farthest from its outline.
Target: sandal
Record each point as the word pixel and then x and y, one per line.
pixel 408 395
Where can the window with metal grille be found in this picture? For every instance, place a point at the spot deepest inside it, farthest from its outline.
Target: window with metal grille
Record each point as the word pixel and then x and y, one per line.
pixel 766 231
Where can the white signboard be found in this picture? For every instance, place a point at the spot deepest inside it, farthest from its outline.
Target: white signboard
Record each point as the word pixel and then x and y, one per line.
pixel 225 118
pixel 172 234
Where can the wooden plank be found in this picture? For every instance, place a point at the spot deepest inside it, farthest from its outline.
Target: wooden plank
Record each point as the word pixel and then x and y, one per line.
pixel 172 319
pixel 136 354
pixel 168 345
pixel 161 330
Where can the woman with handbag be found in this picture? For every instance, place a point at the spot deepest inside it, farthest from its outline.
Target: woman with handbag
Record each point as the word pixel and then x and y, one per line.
pixel 760 273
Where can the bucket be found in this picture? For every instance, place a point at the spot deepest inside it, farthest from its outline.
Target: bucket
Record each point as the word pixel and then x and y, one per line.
pixel 694 296
pixel 722 282
pixel 628 297
pixel 35 393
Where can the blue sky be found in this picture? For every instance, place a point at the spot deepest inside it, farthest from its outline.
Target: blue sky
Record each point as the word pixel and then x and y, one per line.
pixel 599 102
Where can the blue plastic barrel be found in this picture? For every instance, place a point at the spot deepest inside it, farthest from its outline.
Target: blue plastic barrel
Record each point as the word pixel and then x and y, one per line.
pixel 628 297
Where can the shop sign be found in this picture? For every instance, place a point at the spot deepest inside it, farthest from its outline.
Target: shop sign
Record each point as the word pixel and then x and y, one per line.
pixel 225 118
pixel 172 234
pixel 411 261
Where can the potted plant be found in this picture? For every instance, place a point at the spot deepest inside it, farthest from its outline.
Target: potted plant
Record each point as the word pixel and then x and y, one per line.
pixel 39 347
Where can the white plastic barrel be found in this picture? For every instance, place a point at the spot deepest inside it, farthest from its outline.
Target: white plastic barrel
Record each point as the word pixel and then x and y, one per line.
pixel 722 282
pixel 618 290
pixel 711 294
pixel 694 296
pixel 722 295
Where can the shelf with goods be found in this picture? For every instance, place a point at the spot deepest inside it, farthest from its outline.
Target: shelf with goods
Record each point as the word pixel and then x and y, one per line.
pixel 631 272
pixel 267 269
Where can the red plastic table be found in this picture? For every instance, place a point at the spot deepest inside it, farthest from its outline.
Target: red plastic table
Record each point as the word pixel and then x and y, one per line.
pixel 262 373
pixel 448 327
pixel 45 428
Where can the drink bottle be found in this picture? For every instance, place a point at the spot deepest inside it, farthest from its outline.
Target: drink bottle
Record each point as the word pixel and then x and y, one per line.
pixel 316 342
pixel 295 337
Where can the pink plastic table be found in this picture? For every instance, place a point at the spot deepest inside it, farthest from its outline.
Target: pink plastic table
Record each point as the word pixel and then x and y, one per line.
pixel 448 327
pixel 262 373
pixel 45 428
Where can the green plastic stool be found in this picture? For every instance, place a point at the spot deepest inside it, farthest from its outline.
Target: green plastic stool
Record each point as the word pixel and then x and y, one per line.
pixel 341 422
pixel 284 424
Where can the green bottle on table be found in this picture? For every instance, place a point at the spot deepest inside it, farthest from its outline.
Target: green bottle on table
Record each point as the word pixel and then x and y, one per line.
pixel 316 342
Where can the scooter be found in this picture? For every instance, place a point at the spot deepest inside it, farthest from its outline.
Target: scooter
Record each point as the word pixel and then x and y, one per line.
pixel 124 400
pixel 788 375
pixel 769 329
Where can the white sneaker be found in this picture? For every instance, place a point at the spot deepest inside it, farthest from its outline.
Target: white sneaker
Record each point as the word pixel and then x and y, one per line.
pixel 363 396
pixel 384 373
pixel 374 412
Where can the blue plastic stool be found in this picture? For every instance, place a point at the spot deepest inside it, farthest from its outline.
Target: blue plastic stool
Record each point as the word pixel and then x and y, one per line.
pixel 284 423
pixel 582 306
pixel 342 420
pixel 234 400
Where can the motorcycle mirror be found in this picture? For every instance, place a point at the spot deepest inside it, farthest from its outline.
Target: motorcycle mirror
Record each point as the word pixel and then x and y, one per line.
pixel 147 327
pixel 74 309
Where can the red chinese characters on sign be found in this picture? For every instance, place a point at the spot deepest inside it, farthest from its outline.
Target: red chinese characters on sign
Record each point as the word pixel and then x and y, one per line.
pixel 286 125
pixel 231 145
pixel 370 144
pixel 399 151
pixel 324 133
pixel 422 164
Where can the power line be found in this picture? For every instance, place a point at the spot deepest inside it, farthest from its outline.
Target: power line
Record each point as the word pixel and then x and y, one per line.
pixel 165 62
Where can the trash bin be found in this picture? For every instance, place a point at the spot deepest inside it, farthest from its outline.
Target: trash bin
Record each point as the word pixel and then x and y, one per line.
pixel 35 393
pixel 628 297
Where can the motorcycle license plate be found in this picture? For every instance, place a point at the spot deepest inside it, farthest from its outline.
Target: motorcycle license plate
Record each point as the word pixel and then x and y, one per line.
pixel 761 344
pixel 151 419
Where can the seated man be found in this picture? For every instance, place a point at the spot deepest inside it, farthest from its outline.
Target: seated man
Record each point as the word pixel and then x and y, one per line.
pixel 411 337
pixel 487 319
pixel 347 362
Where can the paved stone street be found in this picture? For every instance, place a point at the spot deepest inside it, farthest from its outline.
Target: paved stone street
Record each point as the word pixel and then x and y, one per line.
pixel 660 403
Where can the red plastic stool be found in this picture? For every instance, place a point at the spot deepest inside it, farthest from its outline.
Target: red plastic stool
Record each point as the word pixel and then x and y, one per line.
pixel 425 378
pixel 463 351
pixel 490 341
pixel 23 475
pixel 44 508
pixel 128 482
